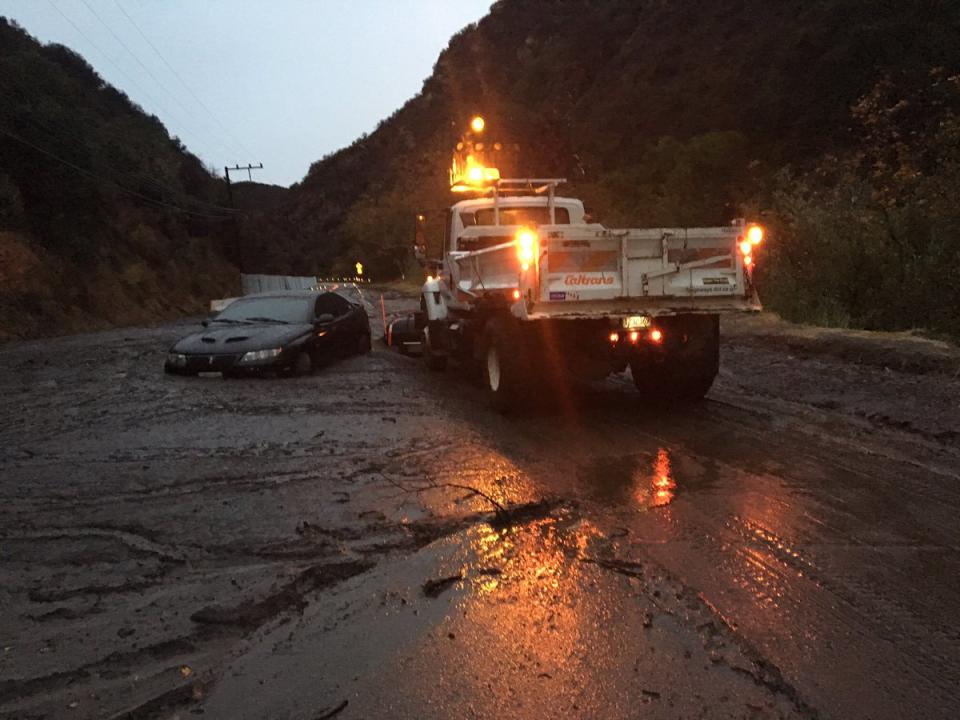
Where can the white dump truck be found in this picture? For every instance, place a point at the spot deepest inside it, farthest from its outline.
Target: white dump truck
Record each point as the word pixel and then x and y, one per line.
pixel 529 290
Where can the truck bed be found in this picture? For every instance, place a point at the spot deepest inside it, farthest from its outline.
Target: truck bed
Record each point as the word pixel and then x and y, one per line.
pixel 591 271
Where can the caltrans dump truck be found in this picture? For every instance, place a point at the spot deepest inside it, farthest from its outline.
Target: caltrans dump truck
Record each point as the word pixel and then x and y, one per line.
pixel 529 290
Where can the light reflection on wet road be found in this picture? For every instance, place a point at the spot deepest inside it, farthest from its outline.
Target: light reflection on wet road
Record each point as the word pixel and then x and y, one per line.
pixel 748 557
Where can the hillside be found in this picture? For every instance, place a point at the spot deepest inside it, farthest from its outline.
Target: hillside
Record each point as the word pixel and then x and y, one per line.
pixel 257 197
pixel 678 112
pixel 104 218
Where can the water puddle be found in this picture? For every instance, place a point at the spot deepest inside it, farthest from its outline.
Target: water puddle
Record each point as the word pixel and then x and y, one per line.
pixel 643 480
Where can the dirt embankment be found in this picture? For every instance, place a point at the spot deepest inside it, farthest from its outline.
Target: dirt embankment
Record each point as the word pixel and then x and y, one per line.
pixel 43 294
pixel 907 352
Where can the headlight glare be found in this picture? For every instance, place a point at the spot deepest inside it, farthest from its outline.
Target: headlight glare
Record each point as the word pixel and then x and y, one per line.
pixel 176 359
pixel 259 356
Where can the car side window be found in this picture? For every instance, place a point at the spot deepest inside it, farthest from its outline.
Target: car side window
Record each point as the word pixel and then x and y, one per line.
pixel 333 304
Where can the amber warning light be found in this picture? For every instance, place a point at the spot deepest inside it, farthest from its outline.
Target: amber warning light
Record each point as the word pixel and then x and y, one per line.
pixel 748 242
pixel 473 168
pixel 526 248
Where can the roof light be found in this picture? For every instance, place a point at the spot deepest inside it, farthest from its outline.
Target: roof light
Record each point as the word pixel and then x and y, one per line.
pixel 477 124
pixel 755 234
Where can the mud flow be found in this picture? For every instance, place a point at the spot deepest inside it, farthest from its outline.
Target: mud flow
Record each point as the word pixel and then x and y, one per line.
pixel 371 541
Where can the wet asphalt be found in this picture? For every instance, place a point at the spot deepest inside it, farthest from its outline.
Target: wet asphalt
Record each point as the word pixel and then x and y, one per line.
pixel 373 542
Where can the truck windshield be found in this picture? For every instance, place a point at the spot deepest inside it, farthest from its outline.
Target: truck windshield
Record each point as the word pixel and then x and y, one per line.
pixel 516 216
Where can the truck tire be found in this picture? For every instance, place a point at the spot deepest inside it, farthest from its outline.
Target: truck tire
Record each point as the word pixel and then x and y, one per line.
pixel 688 365
pixel 433 361
pixel 504 363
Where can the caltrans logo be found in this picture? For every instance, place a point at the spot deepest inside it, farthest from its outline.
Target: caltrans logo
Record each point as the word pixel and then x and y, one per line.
pixel 582 279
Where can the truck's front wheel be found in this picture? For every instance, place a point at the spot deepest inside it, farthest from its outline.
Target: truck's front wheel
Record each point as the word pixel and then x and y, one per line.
pixel 688 364
pixel 504 363
pixel 435 362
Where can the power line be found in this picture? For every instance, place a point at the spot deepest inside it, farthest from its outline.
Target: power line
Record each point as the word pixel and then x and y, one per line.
pixel 143 65
pixel 69 135
pixel 118 186
pixel 110 60
pixel 173 70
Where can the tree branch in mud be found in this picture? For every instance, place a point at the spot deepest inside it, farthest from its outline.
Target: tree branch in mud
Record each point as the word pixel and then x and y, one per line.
pixel 503 514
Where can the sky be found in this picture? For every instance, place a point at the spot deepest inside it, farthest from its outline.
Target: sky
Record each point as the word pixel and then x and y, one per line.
pixel 282 82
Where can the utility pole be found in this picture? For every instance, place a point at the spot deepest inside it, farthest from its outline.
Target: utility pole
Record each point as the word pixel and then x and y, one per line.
pixel 235 168
pixel 236 226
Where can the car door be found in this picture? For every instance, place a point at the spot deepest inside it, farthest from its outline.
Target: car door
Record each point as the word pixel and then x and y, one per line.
pixel 341 335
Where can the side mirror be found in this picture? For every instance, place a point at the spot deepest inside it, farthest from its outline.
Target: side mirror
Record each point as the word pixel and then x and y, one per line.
pixel 323 319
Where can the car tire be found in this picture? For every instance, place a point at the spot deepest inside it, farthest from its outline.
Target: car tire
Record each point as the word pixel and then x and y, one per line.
pixel 302 365
pixel 364 344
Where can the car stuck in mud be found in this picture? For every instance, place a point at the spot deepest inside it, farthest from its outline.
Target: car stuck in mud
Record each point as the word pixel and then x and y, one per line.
pixel 285 333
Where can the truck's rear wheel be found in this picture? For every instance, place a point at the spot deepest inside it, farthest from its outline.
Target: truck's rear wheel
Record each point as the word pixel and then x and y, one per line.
pixel 689 362
pixel 503 360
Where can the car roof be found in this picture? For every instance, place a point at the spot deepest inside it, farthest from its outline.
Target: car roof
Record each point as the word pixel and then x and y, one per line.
pixel 285 293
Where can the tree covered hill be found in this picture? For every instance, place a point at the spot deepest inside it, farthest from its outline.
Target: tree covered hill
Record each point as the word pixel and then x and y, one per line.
pixel 104 218
pixel 672 111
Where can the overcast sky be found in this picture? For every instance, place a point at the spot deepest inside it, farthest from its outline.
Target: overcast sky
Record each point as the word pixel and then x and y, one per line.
pixel 282 82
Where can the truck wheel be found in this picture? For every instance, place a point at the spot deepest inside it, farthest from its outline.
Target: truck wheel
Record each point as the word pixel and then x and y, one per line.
pixel 437 363
pixel 503 362
pixel 689 364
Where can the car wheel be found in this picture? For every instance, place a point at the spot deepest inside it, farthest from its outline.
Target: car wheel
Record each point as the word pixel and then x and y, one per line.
pixel 364 344
pixel 303 365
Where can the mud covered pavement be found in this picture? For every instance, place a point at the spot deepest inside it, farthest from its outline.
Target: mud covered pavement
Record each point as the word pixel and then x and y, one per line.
pixel 373 542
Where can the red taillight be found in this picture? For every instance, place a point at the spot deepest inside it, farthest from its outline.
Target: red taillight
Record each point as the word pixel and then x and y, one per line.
pixel 634 336
pixel 614 337
pixel 656 336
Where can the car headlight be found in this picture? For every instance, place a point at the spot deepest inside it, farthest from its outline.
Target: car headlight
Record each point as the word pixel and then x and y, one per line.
pixel 259 356
pixel 177 359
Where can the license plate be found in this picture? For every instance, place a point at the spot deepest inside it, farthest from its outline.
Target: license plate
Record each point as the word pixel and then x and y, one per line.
pixel 636 321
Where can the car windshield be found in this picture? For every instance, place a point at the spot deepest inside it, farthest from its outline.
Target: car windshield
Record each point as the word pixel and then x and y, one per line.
pixel 279 309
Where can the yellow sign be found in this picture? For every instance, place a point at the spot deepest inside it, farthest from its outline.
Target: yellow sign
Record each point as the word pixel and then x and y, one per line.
pixel 359 267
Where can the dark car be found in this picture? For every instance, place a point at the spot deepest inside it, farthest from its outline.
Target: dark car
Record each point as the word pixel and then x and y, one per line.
pixel 281 332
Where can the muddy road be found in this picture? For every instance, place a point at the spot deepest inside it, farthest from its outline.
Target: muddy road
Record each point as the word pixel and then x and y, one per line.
pixel 372 542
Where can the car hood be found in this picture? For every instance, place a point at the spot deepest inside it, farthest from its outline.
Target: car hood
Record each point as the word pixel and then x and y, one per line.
pixel 220 339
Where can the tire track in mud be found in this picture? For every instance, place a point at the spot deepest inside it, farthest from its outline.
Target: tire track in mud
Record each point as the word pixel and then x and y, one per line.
pixel 874 614
pixel 830 596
